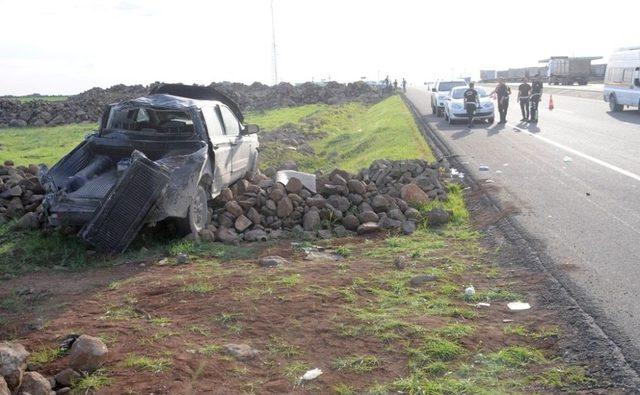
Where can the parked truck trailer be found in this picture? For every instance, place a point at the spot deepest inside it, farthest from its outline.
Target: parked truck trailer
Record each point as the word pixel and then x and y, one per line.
pixel 565 70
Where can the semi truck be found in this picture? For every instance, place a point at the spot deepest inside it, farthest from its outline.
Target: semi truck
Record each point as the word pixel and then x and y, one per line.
pixel 565 70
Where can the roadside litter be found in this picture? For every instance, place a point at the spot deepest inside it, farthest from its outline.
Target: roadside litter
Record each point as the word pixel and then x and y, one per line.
pixel 483 304
pixel 469 292
pixel 498 171
pixel 311 374
pixel 489 181
pixel 483 168
pixel 567 159
pixel 518 306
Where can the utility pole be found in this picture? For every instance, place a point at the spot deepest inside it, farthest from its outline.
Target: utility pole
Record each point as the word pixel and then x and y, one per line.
pixel 273 39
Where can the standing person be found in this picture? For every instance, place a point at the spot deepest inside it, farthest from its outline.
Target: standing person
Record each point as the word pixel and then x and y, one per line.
pixel 524 90
pixel 536 96
pixel 503 92
pixel 404 85
pixel 471 102
pixel 395 85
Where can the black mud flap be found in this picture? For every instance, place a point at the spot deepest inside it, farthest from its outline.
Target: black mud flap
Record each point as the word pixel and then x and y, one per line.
pixel 122 213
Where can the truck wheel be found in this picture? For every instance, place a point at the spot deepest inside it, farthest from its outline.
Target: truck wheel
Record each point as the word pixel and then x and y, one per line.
pixel 613 104
pixel 438 112
pixel 491 120
pixel 198 215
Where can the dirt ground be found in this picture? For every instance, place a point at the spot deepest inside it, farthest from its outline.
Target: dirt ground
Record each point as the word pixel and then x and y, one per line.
pixel 357 318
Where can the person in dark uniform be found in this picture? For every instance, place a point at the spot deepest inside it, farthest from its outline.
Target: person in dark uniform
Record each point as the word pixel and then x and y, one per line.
pixel 395 85
pixel 536 96
pixel 503 92
pixel 524 90
pixel 404 85
pixel 471 102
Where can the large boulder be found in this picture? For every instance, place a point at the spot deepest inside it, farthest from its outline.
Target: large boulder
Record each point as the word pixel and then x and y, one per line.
pixel 4 388
pixel 12 363
pixel 311 220
pixel 67 377
pixel 87 353
pixel 412 194
pixel 285 207
pixel 437 217
pixel 33 383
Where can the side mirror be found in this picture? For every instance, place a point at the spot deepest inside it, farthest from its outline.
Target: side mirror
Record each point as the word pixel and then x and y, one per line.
pixel 251 129
pixel 433 90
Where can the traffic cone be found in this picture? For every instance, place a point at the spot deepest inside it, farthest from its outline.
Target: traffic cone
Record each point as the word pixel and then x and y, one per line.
pixel 550 102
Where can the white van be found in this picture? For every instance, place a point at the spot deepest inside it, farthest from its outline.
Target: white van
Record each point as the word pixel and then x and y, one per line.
pixel 622 79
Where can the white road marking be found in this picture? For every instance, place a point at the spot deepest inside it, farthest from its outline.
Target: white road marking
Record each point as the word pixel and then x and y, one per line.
pixel 582 155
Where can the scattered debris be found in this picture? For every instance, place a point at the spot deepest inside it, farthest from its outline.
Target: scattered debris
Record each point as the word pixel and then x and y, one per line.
pixel 272 261
pixel 400 262
pixel 518 306
pixel 469 292
pixel 567 159
pixel 315 255
pixel 483 304
pixel 182 258
pixel 311 374
pixel 498 171
pixel 588 194
pixel 483 168
pixel 418 281
pixel 241 351
pixel 506 320
pixel 489 181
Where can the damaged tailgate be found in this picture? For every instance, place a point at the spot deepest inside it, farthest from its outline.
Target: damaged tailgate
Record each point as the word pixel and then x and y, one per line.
pixel 122 213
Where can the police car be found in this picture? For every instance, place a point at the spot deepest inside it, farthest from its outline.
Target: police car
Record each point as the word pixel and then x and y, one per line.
pixel 440 92
pixel 454 106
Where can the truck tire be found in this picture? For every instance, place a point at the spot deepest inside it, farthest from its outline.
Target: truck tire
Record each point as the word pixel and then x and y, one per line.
pixel 198 214
pixel 613 104
pixel 438 112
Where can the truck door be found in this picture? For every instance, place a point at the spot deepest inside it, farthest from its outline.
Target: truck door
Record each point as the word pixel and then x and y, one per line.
pixel 240 150
pixel 221 145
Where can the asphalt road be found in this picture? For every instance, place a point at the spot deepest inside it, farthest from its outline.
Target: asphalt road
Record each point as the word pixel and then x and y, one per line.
pixel 575 178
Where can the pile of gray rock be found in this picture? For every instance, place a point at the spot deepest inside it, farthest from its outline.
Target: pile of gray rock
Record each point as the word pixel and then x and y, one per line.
pixel 86 354
pixel 259 96
pixel 21 195
pixel 88 105
pixel 382 197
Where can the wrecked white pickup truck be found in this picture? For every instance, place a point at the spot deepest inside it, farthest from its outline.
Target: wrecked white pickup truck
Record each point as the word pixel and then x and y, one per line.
pixel 160 156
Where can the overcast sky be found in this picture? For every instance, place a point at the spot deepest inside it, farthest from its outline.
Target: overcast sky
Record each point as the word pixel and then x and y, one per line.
pixel 67 46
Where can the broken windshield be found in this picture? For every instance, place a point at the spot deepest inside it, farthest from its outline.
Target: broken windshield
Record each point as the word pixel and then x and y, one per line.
pixel 151 120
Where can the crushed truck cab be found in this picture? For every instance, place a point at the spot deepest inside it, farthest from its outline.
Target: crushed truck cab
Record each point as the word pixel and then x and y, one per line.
pixel 160 156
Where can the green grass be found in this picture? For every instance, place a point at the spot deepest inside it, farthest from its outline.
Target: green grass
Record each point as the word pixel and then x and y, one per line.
pixel 357 364
pixel 278 345
pixel 516 357
pixel 355 135
pixel 41 145
pixel 91 382
pixel 44 355
pixel 154 365
pixel 29 98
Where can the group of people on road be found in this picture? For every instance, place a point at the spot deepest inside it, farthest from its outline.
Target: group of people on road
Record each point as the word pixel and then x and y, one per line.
pixel 529 96
pixel 395 84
